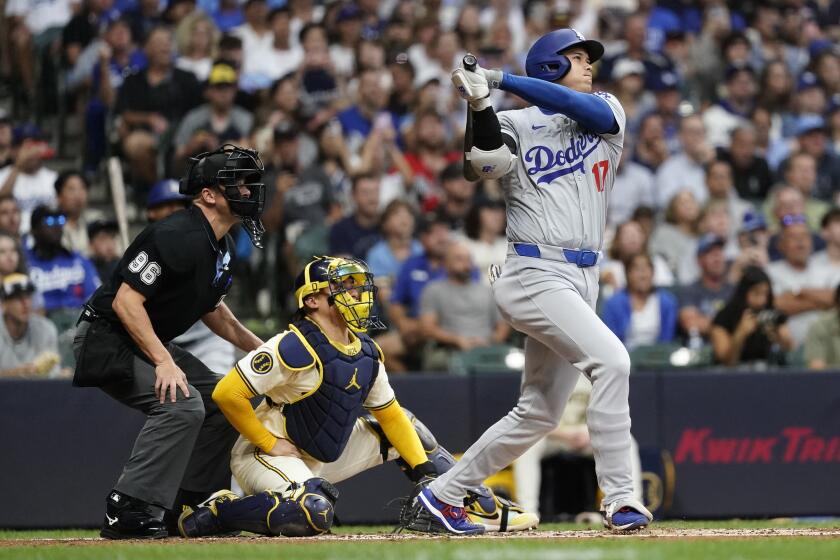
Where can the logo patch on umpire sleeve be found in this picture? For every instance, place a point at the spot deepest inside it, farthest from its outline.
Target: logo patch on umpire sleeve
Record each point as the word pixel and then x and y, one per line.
pixel 262 362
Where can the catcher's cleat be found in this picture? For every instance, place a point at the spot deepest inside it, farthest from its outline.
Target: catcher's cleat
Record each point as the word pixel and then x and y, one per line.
pixel 204 520
pixel 451 519
pixel 130 518
pixel 627 514
pixel 498 514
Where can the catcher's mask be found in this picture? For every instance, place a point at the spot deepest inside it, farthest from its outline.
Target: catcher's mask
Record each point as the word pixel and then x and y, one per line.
pixel 350 286
pixel 229 168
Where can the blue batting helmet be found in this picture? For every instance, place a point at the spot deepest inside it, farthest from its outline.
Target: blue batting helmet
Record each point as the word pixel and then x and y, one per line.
pixel 545 59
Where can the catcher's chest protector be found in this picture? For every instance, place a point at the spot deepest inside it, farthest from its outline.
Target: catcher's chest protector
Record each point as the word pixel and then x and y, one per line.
pixel 322 422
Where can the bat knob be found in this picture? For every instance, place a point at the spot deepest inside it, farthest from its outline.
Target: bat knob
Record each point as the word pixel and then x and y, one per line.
pixel 470 62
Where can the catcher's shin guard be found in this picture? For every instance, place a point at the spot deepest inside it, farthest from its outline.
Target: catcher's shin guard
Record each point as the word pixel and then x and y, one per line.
pixel 305 509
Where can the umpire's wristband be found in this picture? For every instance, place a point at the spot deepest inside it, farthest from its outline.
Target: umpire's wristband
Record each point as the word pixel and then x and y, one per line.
pixel 423 470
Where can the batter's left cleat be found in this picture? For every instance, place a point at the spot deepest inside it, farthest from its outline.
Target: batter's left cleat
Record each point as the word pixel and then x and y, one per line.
pixel 204 520
pixel 626 515
pixel 450 518
pixel 498 514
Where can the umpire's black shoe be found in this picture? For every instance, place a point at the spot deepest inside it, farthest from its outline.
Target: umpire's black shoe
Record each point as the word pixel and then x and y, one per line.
pixel 130 518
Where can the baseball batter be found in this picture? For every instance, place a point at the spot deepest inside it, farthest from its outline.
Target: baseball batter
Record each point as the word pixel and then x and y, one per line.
pixel 557 160
pixel 318 377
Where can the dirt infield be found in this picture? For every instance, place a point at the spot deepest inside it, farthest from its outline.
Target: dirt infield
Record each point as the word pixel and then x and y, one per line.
pixel 656 533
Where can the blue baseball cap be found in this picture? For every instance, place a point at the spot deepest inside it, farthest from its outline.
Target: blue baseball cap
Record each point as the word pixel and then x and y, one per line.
pixel 664 81
pixel 753 221
pixel 819 46
pixel 348 12
pixel 164 191
pixel 734 69
pixel 709 242
pixel 26 131
pixel 808 123
pixel 807 80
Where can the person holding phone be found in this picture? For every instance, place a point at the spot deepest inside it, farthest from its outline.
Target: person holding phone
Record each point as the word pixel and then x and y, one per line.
pixel 749 328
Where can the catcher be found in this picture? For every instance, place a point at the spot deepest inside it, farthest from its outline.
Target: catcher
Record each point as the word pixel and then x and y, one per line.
pixel 309 432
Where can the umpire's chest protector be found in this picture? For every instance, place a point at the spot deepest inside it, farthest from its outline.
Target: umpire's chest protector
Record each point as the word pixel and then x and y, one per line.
pixel 321 422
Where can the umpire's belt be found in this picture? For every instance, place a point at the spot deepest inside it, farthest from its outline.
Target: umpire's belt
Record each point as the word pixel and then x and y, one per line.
pixel 89 315
pixel 582 258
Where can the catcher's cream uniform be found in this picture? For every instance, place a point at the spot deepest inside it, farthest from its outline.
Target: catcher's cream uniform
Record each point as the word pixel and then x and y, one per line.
pixel 254 470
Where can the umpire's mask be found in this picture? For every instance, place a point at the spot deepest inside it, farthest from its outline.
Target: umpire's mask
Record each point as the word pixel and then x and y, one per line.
pixel 229 168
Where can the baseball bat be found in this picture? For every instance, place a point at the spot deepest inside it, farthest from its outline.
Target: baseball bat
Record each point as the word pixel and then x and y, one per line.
pixel 115 178
pixel 470 62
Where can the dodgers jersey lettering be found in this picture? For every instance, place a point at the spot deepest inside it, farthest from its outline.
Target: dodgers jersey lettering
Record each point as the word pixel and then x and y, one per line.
pixel 558 191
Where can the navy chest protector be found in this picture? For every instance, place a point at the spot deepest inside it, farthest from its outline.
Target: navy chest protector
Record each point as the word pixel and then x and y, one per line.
pixel 322 422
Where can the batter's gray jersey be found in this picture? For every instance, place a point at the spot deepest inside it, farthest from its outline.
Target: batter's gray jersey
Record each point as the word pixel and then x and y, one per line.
pixel 557 193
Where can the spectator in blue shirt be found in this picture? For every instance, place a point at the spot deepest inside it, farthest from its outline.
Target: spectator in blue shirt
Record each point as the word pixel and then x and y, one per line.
pixel 641 315
pixel 403 308
pixel 354 235
pixel 64 278
pixel 397 244
pixel 357 121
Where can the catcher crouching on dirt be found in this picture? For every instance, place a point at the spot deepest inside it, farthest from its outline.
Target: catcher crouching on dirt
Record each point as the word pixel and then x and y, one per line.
pixel 311 430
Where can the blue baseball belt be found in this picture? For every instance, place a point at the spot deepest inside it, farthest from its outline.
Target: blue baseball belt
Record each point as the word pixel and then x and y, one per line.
pixel 582 258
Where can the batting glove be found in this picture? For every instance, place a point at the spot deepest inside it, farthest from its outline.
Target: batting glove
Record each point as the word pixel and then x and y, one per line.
pixel 492 75
pixel 473 87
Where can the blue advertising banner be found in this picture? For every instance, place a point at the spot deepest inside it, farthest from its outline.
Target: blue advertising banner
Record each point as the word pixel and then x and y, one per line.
pixel 713 445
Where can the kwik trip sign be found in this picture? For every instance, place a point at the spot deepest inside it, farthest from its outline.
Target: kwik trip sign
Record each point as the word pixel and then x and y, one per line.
pixel 793 444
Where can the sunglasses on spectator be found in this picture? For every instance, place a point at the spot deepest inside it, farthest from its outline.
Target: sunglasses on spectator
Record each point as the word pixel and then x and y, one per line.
pixel 56 220
pixel 794 219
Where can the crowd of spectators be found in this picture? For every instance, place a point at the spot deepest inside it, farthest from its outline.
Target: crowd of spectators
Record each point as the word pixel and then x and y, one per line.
pixel 723 225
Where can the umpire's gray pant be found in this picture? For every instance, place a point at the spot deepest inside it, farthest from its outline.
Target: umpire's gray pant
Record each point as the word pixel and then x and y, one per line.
pixel 185 444
pixel 553 303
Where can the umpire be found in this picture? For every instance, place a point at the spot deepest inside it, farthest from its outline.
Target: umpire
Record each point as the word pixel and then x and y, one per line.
pixel 176 272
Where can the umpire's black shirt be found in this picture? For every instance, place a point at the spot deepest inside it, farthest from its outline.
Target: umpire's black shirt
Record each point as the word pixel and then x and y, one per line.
pixel 179 266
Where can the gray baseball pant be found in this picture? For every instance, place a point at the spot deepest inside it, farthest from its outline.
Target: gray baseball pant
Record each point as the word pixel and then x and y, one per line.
pixel 183 445
pixel 554 304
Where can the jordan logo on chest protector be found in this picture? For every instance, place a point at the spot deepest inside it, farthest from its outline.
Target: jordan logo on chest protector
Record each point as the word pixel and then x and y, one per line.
pixel 353 382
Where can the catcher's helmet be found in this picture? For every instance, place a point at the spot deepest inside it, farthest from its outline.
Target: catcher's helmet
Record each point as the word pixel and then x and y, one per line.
pixel 229 168
pixel 341 276
pixel 545 59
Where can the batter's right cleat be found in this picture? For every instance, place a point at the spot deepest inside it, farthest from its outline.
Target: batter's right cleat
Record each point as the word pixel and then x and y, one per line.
pixel 204 520
pixel 450 518
pixel 130 518
pixel 627 515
